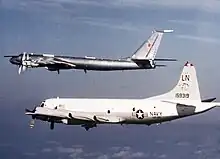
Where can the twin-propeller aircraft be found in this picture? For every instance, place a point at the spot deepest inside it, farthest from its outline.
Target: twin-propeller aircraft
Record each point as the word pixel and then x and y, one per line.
pixel 143 58
pixel 182 101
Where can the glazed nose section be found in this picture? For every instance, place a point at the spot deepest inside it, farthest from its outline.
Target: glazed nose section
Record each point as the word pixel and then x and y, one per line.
pixel 14 61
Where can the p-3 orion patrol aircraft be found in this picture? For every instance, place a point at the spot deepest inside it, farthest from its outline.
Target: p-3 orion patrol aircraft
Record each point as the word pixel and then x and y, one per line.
pixel 182 101
pixel 143 58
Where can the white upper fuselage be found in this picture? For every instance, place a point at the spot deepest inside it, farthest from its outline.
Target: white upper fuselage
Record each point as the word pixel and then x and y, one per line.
pixel 155 111
pixel 181 101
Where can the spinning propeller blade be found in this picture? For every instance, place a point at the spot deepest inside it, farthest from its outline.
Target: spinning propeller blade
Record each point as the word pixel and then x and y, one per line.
pixel 23 66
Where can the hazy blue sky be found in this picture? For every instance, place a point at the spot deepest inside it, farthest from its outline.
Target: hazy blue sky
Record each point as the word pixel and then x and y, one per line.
pixel 111 29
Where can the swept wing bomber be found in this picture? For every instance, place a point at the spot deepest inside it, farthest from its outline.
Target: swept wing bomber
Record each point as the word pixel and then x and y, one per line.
pixel 143 58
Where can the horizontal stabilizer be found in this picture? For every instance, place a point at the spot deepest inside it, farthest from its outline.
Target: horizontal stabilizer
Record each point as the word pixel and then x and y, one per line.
pixel 208 100
pixel 164 31
pixel 165 59
pixel 160 65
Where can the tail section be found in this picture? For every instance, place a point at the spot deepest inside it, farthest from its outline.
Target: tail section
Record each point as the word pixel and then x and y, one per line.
pixel 186 89
pixel 148 50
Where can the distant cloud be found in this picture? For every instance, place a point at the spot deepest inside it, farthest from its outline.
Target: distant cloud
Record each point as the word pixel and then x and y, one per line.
pixel 198 152
pixel 69 150
pixel 47 150
pixel 29 154
pixel 112 24
pixel 199 38
pixel 72 151
pixel 121 154
pixel 162 156
pixel 78 151
pixel 182 22
pixel 53 142
pixel 208 26
pixel 159 141
pixel 127 152
pixel 115 148
pixel 208 5
pixel 138 155
pixel 182 143
pixel 103 157
pixel 93 154
pixel 69 11
pixel 205 5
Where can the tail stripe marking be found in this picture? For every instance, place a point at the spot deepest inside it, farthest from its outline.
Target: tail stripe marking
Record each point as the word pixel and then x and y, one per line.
pixel 152 45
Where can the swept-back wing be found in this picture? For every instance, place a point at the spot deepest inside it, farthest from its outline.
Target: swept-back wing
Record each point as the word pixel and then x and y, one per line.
pixel 63 61
pixel 58 62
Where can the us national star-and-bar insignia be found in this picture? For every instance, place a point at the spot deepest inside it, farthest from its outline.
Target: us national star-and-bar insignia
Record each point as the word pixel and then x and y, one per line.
pixel 140 114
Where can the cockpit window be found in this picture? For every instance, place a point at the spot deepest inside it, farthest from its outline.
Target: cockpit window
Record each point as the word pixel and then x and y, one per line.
pixel 42 104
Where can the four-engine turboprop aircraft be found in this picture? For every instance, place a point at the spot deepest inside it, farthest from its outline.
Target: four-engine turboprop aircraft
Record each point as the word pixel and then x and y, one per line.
pixel 182 101
pixel 143 58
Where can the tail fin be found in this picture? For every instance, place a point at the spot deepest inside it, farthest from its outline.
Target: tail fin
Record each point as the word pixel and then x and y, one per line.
pixel 148 50
pixel 186 89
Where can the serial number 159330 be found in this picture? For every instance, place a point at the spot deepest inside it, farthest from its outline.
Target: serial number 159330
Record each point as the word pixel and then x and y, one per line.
pixel 182 95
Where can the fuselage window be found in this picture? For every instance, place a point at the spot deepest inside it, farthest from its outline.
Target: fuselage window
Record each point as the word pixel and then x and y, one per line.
pixel 108 111
pixel 133 109
pixel 42 104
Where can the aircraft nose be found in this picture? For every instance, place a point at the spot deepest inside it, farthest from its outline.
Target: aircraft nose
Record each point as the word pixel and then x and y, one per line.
pixel 13 60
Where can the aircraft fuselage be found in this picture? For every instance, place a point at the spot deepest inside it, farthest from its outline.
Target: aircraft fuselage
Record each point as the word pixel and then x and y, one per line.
pixel 82 63
pixel 90 111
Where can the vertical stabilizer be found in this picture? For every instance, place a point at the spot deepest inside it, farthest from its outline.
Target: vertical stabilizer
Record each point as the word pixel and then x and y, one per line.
pixel 187 87
pixel 148 50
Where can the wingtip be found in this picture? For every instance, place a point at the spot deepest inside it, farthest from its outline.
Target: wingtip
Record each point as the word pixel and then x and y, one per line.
pixel 164 31
pixel 168 31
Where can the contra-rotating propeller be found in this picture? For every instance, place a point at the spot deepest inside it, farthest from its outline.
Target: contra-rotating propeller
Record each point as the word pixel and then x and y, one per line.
pixel 21 60
pixel 24 63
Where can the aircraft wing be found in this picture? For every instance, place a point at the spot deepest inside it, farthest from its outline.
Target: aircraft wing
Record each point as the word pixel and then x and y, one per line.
pixel 80 116
pixel 58 62
pixel 67 114
pixel 108 119
pixel 95 118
